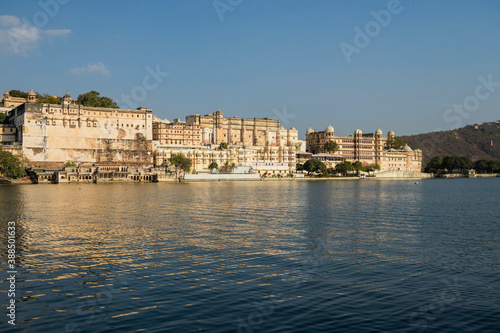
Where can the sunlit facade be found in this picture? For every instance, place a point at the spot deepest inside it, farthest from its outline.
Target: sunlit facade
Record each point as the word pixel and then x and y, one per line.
pixel 369 149
pixel 273 160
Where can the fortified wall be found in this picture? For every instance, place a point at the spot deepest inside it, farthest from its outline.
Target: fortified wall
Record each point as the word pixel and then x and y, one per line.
pixel 53 134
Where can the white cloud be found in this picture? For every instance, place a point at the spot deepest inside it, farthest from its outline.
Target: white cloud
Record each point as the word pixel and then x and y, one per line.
pixel 17 37
pixel 9 21
pixel 98 68
pixel 57 33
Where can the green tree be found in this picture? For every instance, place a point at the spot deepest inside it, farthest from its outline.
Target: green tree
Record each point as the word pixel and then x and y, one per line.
pixel 395 143
pixel 493 166
pixel 46 98
pixel 434 164
pixel 331 147
pixel 11 166
pixel 181 163
pixel 481 166
pixel 465 164
pixel 3 118
pixel 107 102
pixel 314 166
pixel 343 167
pixel 451 163
pixel 93 99
pixel 222 146
pixel 358 166
pixel 299 167
pixel 213 165
pixel 372 167
pixel 18 93
pixel 70 164
pixel 486 166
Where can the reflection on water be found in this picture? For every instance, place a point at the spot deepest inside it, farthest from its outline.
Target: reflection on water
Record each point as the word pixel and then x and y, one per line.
pixel 256 256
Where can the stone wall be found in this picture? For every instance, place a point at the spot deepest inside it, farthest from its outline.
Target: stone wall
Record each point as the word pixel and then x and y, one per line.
pixel 222 176
pixel 51 134
pixel 403 174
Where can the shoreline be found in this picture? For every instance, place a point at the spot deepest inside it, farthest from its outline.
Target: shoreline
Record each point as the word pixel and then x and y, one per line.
pixel 29 182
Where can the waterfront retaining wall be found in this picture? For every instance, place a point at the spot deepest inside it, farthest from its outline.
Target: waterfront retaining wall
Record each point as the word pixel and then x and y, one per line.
pixel 403 174
pixel 219 176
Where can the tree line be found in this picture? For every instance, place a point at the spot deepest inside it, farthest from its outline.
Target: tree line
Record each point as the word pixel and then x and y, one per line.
pixel 461 164
pixel 315 166
pixel 92 99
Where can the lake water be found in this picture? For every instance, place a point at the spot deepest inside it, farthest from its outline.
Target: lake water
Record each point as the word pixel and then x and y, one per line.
pixel 284 256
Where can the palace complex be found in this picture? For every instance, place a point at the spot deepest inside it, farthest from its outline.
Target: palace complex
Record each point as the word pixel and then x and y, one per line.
pixel 260 143
pixel 49 135
pixel 369 149
pixel 215 128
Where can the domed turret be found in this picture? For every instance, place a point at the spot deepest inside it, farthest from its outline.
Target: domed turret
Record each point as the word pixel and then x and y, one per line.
pixel 378 132
pixel 391 133
pixel 329 129
pixel 31 96
pixel 358 131
pixel 309 130
pixel 407 148
pixel 293 128
pixel 66 99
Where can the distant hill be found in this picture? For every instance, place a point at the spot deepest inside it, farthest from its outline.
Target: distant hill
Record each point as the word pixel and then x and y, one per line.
pixel 473 141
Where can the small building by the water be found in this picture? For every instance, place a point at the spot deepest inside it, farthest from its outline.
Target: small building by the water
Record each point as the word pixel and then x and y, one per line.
pixel 98 174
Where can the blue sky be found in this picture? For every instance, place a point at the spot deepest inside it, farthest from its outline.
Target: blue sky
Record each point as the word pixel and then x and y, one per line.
pixel 424 68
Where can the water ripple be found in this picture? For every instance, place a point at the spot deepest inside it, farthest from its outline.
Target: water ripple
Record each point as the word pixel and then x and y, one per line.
pixel 325 256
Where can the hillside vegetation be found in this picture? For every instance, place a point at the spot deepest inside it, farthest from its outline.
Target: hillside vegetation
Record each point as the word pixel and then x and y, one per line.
pixel 473 141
